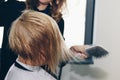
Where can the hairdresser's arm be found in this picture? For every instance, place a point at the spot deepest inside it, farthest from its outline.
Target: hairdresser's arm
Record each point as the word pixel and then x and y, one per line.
pixel 79 52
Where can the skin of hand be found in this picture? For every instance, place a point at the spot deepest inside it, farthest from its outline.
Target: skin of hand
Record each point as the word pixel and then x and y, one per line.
pixel 79 50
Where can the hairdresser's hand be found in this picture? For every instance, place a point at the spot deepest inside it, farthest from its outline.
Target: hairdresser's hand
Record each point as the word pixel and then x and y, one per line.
pixel 79 51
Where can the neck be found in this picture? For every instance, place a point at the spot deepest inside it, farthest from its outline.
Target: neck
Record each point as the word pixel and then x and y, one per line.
pixel 29 62
pixel 42 6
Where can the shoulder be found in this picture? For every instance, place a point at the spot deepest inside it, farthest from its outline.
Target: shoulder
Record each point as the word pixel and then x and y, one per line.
pixel 7 8
pixel 20 4
pixel 15 73
pixel 9 11
pixel 12 4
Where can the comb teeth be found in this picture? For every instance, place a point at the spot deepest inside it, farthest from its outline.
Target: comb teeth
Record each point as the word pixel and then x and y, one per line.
pixel 97 51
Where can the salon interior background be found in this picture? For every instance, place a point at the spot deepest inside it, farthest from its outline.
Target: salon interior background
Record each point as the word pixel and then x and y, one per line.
pixel 74 31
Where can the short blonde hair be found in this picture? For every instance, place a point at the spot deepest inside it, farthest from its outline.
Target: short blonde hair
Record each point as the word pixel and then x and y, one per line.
pixel 34 34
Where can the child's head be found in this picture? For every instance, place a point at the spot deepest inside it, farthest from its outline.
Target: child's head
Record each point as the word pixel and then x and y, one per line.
pixel 34 36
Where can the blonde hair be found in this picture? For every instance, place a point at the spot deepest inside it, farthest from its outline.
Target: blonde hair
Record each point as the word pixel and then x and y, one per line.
pixel 34 35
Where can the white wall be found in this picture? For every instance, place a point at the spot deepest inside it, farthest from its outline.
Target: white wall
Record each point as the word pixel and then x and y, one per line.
pixel 107 34
pixel 74 17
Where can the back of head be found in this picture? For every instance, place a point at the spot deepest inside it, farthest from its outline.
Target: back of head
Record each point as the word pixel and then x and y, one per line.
pixel 35 36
